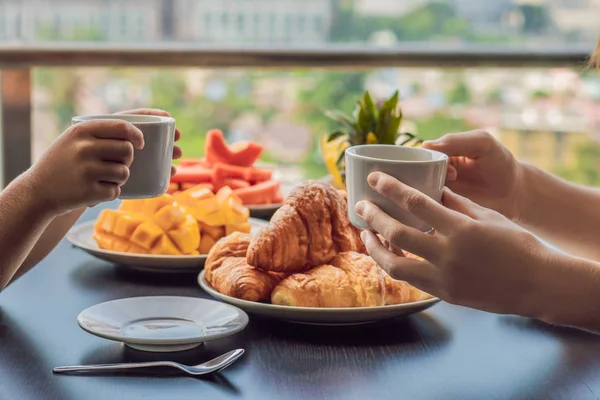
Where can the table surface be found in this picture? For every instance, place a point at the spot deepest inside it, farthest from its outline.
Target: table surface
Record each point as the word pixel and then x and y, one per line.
pixel 447 352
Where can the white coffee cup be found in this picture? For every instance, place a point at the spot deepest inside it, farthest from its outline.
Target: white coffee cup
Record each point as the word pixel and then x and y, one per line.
pixel 422 169
pixel 150 171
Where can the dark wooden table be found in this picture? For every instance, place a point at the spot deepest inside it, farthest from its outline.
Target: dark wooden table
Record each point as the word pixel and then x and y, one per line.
pixel 447 352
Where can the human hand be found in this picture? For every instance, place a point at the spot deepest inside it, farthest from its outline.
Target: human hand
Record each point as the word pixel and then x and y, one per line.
pixel 476 258
pixel 86 165
pixel 152 111
pixel 482 170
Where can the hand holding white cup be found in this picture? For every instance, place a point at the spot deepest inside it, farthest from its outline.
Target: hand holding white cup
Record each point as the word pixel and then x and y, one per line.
pixel 424 170
pixel 150 170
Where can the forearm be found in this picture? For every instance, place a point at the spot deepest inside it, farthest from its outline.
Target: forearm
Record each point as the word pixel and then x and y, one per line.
pixel 568 292
pixel 48 240
pixel 22 221
pixel 565 214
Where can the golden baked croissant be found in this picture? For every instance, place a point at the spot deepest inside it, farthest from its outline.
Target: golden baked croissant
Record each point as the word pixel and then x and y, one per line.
pixel 236 278
pixel 307 231
pixel 352 280
pixel 233 245
pixel 400 292
pixel 227 271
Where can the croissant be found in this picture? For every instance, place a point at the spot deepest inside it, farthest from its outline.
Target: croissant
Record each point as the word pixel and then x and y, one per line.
pixel 400 292
pixel 227 271
pixel 351 280
pixel 236 278
pixel 307 231
pixel 233 245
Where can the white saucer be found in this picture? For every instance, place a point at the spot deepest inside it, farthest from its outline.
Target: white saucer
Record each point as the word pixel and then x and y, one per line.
pixel 162 323
pixel 82 236
pixel 321 316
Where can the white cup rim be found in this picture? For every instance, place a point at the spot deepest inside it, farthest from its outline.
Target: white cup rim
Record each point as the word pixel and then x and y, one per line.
pixel 140 119
pixel 440 157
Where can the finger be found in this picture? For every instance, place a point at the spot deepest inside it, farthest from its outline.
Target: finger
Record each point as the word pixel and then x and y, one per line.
pixel 120 151
pixel 410 199
pixel 113 129
pixel 396 233
pixel 400 268
pixel 464 205
pixel 177 153
pixel 173 170
pixel 110 172
pixel 146 111
pixel 177 134
pixel 394 249
pixel 106 191
pixel 473 144
pixel 451 174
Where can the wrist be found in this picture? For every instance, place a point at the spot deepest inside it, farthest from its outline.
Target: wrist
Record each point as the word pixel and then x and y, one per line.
pixel 565 292
pixel 527 179
pixel 29 193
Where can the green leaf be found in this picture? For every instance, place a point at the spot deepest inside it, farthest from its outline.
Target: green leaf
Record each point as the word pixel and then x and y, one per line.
pixel 341 158
pixel 341 117
pixel 369 104
pixel 392 131
pixel 335 135
pixel 367 115
pixel 392 102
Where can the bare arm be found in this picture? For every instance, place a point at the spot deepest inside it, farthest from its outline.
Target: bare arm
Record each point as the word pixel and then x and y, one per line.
pixel 48 240
pixel 23 219
pixel 567 291
pixel 563 213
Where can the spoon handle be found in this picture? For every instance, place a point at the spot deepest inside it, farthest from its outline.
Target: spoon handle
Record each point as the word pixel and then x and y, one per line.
pixel 112 367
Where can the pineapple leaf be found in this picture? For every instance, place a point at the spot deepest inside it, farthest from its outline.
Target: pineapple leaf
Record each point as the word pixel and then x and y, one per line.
pixel 341 158
pixel 389 120
pixel 392 130
pixel 334 135
pixel 341 117
pixel 392 102
pixel 367 114
pixel 370 105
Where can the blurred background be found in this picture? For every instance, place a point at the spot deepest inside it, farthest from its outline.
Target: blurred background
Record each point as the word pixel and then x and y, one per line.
pixel 548 115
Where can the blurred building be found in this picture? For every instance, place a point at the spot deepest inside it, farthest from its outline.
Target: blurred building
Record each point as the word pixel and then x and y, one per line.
pixel 204 21
pixel 548 140
pixel 114 20
pixel 254 21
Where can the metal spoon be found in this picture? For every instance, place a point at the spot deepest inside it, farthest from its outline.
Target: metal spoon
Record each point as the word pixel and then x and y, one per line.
pixel 208 367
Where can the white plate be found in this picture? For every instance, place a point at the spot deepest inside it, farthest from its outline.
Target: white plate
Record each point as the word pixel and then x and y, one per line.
pixel 162 323
pixel 321 316
pixel 81 235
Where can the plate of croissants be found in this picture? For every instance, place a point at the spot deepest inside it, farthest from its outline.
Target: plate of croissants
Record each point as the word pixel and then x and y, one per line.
pixel 308 265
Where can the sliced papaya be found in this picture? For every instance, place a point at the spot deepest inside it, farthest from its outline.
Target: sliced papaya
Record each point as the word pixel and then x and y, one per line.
pixel 261 193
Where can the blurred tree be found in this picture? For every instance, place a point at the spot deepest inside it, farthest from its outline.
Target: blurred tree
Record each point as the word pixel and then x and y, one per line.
pixel 535 18
pixel 460 93
pixel 586 169
pixel 434 19
pixel 438 125
pixel 62 83
pixel 322 91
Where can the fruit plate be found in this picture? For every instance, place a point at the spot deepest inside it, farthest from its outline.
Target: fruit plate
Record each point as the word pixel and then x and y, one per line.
pixel 320 316
pixel 81 236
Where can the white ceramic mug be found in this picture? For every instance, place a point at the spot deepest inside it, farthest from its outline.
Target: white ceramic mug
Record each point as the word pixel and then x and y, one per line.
pixel 150 171
pixel 424 170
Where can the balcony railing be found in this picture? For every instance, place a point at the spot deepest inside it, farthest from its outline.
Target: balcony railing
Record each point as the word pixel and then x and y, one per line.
pixel 17 62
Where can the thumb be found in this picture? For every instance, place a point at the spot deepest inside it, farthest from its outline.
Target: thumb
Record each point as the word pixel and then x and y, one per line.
pixel 473 144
